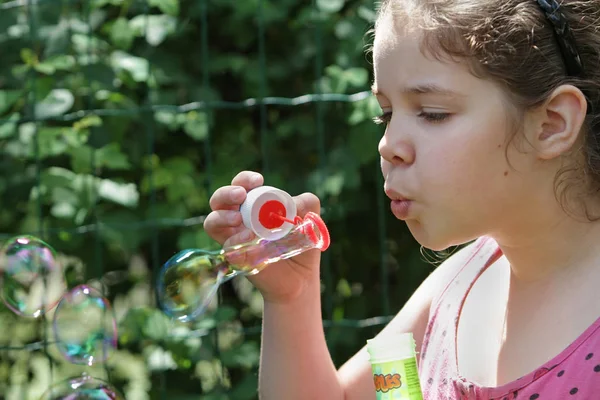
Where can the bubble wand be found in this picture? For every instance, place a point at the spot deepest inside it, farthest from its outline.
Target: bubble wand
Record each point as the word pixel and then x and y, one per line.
pixel 189 280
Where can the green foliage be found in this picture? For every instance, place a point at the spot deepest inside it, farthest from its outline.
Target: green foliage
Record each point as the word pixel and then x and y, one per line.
pixel 110 189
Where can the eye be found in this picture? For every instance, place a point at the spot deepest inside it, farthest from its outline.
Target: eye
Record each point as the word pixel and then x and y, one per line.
pixel 384 118
pixel 433 117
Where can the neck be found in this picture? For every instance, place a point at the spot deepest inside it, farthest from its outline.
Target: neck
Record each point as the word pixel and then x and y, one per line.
pixel 555 245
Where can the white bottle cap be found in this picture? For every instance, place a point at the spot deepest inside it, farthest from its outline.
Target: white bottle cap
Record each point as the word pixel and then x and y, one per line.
pixel 258 208
pixel 389 347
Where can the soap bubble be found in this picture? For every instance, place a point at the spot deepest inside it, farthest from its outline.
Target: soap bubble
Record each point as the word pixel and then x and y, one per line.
pixel 188 282
pixel 85 326
pixel 32 282
pixel 82 388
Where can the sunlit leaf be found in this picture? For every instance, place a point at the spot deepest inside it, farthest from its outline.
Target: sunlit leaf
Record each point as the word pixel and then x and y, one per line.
pixel 58 102
pixel 125 194
pixel 156 28
pixel 196 126
pixel 136 66
pixel 330 6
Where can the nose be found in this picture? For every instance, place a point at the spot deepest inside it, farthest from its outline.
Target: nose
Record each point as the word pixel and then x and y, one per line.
pixel 395 148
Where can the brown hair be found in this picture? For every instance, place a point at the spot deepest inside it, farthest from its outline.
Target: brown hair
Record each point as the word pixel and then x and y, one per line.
pixel 512 43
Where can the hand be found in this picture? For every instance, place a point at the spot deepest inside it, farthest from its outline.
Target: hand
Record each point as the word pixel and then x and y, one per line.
pixel 281 282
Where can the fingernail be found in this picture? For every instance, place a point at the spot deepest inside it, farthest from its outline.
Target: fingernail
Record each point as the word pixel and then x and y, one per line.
pixel 238 194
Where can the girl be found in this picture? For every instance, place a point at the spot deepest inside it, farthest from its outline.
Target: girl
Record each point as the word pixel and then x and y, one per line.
pixel 491 138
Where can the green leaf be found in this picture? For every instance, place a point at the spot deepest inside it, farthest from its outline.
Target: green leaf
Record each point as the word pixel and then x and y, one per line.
pixel 102 3
pixel 181 188
pixel 86 45
pixel 8 99
pixel 245 389
pixel 121 33
pixel 171 120
pixel 57 41
pixel 125 194
pixel 58 102
pixel 57 177
pixel 81 159
pixel 225 313
pixel 61 62
pixel 196 125
pixel 130 327
pixel 8 129
pixel 246 355
pixel 170 7
pixel 50 142
pixel 155 27
pixel 356 76
pixel 333 184
pixel 28 56
pixel 344 29
pixel 367 14
pixel 157 326
pixel 330 6
pixel 111 157
pixel 65 203
pixel 136 66
pixel 87 122
pixel 343 288
pixel 63 211
pixel 45 69
pixel 179 165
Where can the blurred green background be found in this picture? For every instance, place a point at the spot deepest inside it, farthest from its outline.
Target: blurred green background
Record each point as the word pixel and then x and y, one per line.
pixel 121 117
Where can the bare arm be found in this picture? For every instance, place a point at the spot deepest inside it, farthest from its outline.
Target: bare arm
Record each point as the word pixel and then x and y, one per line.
pixel 295 361
pixel 355 375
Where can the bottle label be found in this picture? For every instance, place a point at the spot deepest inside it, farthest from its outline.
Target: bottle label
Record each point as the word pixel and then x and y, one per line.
pixel 397 380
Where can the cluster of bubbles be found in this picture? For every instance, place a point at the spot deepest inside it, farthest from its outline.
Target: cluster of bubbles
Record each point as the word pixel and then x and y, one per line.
pixel 32 283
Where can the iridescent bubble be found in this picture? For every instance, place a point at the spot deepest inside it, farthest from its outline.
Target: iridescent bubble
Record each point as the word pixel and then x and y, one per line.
pixel 188 282
pixel 82 388
pixel 32 281
pixel 85 326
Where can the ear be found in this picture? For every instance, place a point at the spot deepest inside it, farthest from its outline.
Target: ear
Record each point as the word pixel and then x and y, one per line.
pixel 559 122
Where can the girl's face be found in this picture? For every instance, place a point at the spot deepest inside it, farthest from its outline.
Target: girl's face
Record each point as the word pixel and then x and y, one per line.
pixel 444 148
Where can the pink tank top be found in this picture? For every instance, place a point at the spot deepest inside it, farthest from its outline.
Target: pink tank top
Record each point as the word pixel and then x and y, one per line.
pixel 572 374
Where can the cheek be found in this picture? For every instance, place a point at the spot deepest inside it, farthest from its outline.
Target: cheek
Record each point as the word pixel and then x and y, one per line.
pixel 460 167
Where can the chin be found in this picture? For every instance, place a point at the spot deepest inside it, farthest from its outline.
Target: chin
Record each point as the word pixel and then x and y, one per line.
pixel 436 239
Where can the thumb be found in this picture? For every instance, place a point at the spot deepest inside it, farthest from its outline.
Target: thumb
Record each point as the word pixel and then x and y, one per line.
pixel 307 202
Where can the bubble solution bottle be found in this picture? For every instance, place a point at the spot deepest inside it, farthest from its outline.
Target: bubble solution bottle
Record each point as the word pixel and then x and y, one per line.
pixel 394 364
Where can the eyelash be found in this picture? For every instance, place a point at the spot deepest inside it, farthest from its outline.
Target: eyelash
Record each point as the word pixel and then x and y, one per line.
pixel 434 118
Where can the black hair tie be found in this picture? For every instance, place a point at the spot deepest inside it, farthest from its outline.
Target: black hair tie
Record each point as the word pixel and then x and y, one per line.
pixel 564 36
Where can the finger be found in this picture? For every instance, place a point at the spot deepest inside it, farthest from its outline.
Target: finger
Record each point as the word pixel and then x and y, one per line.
pixel 243 236
pixel 227 198
pixel 245 256
pixel 306 202
pixel 248 180
pixel 222 224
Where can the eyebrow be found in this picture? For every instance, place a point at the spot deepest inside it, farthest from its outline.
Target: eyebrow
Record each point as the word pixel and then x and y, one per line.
pixel 427 88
